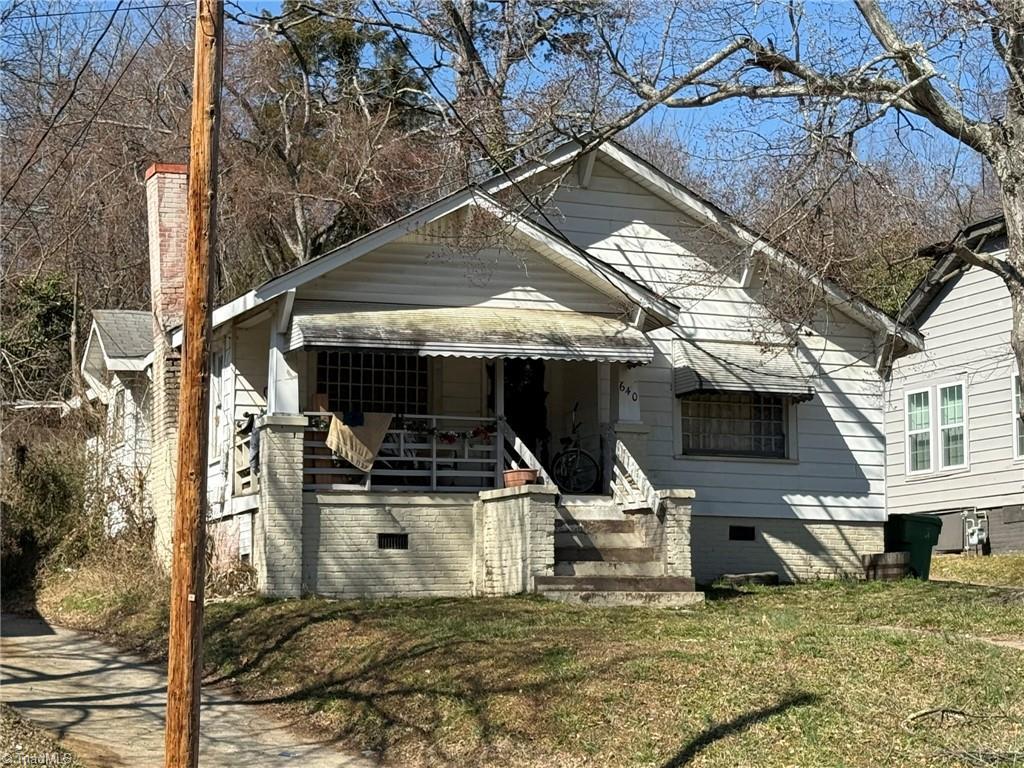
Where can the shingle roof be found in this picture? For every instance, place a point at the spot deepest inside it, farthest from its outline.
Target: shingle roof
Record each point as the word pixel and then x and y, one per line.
pixel 124 332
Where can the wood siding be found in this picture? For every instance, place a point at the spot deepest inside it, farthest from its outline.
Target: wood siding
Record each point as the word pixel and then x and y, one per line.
pixel 967 331
pixel 838 466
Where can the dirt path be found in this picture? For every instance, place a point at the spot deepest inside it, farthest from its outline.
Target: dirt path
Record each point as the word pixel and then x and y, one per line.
pixel 108 706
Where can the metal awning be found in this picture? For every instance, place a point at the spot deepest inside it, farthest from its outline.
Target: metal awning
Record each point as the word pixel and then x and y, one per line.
pixel 469 331
pixel 739 367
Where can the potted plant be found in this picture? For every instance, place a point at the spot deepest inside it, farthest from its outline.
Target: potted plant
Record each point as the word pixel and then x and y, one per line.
pixel 517 477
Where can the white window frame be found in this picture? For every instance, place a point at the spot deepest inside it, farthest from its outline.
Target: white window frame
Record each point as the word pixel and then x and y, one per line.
pixel 939 428
pixel 907 432
pixel 1016 382
pixel 935 429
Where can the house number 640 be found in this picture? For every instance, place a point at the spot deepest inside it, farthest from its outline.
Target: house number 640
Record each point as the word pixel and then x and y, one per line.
pixel 630 392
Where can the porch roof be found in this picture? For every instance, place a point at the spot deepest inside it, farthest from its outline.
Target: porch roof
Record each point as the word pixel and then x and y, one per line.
pixel 740 367
pixel 469 331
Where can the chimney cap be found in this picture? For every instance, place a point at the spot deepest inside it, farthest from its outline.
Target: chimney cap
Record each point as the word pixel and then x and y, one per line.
pixel 156 168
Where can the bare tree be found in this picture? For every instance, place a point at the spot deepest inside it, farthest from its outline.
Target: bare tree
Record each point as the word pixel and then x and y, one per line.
pixel 954 69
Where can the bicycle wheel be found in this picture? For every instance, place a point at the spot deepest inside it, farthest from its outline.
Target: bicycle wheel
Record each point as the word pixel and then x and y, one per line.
pixel 575 471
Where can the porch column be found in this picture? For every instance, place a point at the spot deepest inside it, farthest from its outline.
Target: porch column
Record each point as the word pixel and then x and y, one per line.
pixel 675 511
pixel 282 378
pixel 278 539
pixel 514 539
pixel 624 411
pixel 499 414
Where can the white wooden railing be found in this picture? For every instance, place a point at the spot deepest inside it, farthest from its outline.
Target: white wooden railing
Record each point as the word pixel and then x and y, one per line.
pixel 423 452
pixel 630 486
pixel 517 456
pixel 245 482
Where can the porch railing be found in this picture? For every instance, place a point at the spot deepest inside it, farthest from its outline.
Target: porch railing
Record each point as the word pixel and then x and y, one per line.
pixel 419 453
pixel 245 482
pixel 517 456
pixel 630 486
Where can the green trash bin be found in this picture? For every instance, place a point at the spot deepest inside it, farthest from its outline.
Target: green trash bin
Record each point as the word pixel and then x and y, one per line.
pixel 916 534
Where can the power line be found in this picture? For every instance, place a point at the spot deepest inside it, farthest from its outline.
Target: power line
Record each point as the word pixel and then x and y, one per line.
pixel 60 110
pixel 83 12
pixel 89 122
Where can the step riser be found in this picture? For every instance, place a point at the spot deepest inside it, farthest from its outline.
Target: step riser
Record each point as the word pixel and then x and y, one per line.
pixel 610 599
pixel 632 554
pixel 598 568
pixel 615 583
pixel 623 525
pixel 602 511
pixel 597 541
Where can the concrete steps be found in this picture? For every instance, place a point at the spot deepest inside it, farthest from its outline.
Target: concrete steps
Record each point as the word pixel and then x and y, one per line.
pixel 663 592
pixel 601 558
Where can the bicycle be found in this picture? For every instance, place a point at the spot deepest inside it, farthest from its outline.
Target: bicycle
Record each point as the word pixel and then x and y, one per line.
pixel 573 469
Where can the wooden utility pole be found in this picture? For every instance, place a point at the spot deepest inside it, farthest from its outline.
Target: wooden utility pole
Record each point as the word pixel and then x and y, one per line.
pixel 185 646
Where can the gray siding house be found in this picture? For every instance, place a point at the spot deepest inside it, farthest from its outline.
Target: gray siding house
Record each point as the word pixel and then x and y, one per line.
pixel 955 442
pixel 482 331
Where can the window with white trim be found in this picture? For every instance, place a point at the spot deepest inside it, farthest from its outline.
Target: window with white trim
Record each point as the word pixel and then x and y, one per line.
pixel 373 381
pixel 937 429
pixel 919 432
pixel 1018 421
pixel 742 425
pixel 952 451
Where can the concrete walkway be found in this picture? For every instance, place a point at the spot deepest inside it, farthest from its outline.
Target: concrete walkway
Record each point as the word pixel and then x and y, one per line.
pixel 109 706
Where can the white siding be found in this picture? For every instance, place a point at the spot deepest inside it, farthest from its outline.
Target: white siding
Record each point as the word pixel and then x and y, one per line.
pixel 967 333
pixel 840 470
pixel 432 270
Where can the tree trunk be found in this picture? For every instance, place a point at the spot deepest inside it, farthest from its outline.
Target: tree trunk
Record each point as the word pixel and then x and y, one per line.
pixel 1013 211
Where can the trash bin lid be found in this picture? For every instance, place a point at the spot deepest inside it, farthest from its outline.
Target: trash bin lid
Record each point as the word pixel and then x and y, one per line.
pixel 929 520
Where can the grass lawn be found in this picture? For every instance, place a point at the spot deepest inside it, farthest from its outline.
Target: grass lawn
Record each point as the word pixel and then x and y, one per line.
pixel 995 570
pixel 826 674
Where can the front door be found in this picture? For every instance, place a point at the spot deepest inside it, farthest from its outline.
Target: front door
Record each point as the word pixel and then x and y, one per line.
pixel 526 409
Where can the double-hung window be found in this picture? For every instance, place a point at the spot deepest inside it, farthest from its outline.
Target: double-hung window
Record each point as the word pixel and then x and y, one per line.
pixel 1018 421
pixel 952 451
pixel 919 432
pixel 936 428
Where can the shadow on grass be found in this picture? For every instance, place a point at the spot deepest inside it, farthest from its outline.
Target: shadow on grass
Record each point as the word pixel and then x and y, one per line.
pixel 444 667
pixel 735 726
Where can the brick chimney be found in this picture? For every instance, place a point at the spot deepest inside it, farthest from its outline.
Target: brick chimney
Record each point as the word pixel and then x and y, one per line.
pixel 167 222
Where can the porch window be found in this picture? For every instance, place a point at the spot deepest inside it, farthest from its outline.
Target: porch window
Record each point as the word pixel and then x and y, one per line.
pixel 741 424
pixel 373 381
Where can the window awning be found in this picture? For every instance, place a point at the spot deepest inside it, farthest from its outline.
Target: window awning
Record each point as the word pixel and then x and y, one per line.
pixel 469 331
pixel 739 367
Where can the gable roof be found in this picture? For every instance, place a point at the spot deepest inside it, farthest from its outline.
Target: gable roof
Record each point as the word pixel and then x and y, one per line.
pixel 125 336
pixel 689 202
pixel 948 265
pixel 545 242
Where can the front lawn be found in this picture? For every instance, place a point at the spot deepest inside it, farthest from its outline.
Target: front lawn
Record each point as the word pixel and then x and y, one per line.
pixel 995 570
pixel 822 674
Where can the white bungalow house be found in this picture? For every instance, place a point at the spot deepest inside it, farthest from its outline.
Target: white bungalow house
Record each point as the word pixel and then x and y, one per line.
pixel 953 426
pixel 116 367
pixel 480 335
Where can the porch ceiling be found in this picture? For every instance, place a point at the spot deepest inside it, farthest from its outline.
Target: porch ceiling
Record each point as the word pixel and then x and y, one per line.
pixel 469 331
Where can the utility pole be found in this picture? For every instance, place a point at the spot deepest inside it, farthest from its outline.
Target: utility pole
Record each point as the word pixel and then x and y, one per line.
pixel 185 646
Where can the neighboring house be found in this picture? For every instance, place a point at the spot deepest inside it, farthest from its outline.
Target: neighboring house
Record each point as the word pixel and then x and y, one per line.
pixel 954 433
pixel 722 444
pixel 116 368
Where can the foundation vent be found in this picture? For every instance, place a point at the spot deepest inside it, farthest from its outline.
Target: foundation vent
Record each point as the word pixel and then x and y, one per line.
pixel 392 541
